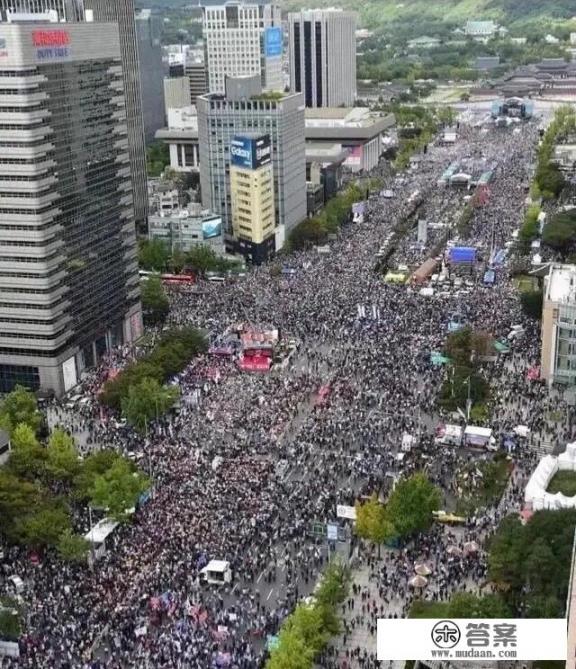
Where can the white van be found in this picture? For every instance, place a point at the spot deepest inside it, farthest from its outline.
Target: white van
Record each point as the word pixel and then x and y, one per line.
pixel 217 572
pixel 17 583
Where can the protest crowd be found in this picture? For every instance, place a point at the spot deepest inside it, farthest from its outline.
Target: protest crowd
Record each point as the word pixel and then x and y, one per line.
pixel 288 459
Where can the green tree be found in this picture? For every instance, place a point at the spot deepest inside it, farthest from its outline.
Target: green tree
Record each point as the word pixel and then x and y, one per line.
pixel 147 400
pixel 560 233
pixel 307 622
pixel 72 547
pixel 531 301
pixel 202 258
pixel 10 626
pixel 116 389
pixel 19 406
pixel 157 158
pixel 459 346
pixel 469 605
pixel 153 254
pixel 506 553
pixel 28 458
pixel 178 260
pixel 334 585
pixel 291 652
pixel 550 181
pixel 63 463
pixel 17 497
pixel 531 227
pixel 372 522
pixel 96 464
pixel 118 489
pixel 155 302
pixel 44 526
pixel 410 505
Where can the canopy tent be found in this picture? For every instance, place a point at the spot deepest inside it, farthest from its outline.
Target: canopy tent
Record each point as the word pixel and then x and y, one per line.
pixel 536 495
pixel 462 255
pixel 418 581
pixel 449 172
pixel 485 178
pixel 423 569
pixel 501 347
pixel 437 358
pixel 460 178
pixel 471 547
pixel 395 277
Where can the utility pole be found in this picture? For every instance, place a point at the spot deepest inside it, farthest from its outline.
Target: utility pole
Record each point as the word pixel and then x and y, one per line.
pixel 91 535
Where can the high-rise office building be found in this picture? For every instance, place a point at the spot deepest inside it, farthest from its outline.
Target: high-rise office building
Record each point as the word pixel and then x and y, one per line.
pixel 558 360
pixel 195 70
pixel 323 56
pixel 68 271
pixel 243 39
pixel 148 32
pixel 66 10
pixel 176 93
pixel 246 110
pixel 121 12
pixel 252 196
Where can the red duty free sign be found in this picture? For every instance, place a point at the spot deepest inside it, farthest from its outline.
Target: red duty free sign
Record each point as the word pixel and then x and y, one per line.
pixel 42 38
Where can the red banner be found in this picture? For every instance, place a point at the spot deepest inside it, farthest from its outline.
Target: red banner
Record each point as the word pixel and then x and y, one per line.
pixel 255 363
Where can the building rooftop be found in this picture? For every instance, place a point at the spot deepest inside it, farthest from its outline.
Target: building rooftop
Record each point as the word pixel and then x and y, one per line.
pixel 356 117
pixel 481 26
pixel 561 284
pixel 340 123
pixel 325 152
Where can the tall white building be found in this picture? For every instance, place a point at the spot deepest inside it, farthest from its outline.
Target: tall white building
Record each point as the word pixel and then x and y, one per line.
pixel 243 39
pixel 323 56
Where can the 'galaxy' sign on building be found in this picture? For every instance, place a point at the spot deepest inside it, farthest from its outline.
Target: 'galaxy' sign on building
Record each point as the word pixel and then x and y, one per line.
pixel 251 152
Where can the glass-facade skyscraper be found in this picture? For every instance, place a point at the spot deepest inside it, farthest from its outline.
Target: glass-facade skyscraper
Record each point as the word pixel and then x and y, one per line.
pixel 68 271
pixel 121 12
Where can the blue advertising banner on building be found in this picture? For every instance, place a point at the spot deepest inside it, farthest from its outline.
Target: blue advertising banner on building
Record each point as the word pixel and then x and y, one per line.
pixel 273 42
pixel 211 228
pixel 250 152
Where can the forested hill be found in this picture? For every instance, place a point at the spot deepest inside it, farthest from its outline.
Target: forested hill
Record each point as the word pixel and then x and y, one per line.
pixel 510 13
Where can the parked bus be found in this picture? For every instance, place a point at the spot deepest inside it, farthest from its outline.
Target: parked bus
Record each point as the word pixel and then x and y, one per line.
pixel 174 279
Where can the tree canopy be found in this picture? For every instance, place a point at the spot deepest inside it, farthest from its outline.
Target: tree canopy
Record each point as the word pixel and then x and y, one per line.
pixel 19 407
pixel 155 302
pixel 153 254
pixel 117 490
pixel 305 633
pixel 372 521
pixel 147 400
pixel 409 507
pixel 531 563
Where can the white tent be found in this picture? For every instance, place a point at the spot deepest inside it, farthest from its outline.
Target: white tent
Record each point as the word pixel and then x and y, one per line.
pixel 535 493
pixel 522 431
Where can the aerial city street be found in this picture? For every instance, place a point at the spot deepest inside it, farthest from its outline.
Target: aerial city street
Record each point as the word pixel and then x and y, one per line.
pixel 312 366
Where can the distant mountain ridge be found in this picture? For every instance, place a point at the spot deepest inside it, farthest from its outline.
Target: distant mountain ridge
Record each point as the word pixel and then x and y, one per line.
pixel 507 12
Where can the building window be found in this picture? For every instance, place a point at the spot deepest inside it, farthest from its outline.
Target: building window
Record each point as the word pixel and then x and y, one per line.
pixel 308 63
pixel 12 375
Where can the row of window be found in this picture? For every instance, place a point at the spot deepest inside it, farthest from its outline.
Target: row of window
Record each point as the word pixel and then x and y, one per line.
pixel 45 259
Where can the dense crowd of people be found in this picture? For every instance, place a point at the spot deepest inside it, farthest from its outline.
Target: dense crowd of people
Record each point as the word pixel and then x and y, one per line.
pixel 143 604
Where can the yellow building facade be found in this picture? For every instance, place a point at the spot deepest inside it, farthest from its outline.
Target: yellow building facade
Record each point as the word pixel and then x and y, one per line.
pixel 252 197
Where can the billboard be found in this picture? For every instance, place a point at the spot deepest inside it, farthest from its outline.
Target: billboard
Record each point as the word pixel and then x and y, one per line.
pixel 250 152
pixel 69 373
pixel 211 228
pixel 273 42
pixel 354 158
